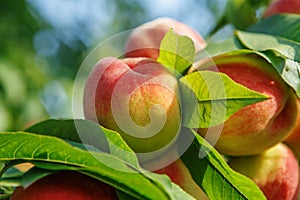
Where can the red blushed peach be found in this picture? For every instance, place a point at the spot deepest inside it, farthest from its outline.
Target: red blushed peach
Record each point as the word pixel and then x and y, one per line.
pixel 297 193
pixel 257 127
pixel 137 97
pixel 283 6
pixel 145 40
pixel 275 171
pixel 293 140
pixel 66 185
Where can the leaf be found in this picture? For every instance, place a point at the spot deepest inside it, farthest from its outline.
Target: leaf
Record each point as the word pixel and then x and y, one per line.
pixel 282 53
pixel 257 3
pixel 80 131
pixel 176 52
pixel 288 69
pixel 282 25
pixel 12 83
pixel 210 171
pixel 107 168
pixel 117 147
pixel 123 196
pixel 209 98
pixel 86 133
pixel 5 196
pixel 240 13
pixel 11 177
pixel 263 42
pixel 33 175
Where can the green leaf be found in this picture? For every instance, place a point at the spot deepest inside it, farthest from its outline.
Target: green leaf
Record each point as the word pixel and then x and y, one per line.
pixel 5 196
pixel 78 131
pixel 25 179
pixel 263 42
pixel 13 84
pixel 107 168
pixel 117 147
pixel 11 177
pixel 257 3
pixel 86 135
pixel 209 98
pixel 176 52
pixel 210 171
pixel 124 196
pixel 288 69
pixel 282 53
pixel 283 25
pixel 240 13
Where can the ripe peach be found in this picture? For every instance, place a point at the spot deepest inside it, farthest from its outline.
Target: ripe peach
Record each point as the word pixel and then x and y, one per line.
pixel 145 40
pixel 283 6
pixel 275 171
pixel 297 193
pixel 293 140
pixel 66 185
pixel 257 127
pixel 137 97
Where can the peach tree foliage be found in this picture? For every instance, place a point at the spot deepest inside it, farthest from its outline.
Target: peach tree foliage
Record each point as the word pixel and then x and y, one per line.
pixel 55 144
pixel 50 149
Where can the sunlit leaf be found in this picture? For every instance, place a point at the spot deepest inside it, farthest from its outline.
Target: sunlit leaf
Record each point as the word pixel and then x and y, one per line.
pixel 176 52
pixel 210 98
pixel 213 175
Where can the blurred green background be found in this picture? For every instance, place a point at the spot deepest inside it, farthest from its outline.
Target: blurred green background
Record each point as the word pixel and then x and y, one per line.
pixel 43 43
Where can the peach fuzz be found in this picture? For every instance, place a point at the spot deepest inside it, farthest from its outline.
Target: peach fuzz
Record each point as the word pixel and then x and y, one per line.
pixel 275 171
pixel 137 97
pixel 66 185
pixel 256 127
pixel 144 41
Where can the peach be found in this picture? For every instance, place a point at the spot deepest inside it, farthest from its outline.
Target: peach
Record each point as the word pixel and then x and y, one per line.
pixel 275 171
pixel 145 40
pixel 137 97
pixel 297 193
pixel 256 127
pixel 283 6
pixel 66 185
pixel 293 140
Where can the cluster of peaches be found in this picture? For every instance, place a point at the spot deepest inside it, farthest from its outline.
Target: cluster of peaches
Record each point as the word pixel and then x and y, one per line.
pixel 139 98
